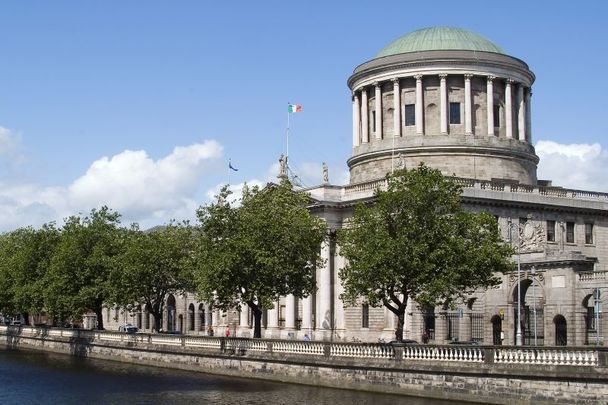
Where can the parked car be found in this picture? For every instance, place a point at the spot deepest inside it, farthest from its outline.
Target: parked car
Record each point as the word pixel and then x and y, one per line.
pixel 405 342
pixel 128 328
pixel 465 342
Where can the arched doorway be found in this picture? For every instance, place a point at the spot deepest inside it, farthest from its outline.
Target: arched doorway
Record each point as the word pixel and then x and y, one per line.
pixel 532 311
pixel 496 330
pixel 591 319
pixel 561 330
pixel 201 317
pixel 171 321
pixel 180 323
pixel 191 317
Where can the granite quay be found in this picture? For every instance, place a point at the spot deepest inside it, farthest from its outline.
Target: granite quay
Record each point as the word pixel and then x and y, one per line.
pixel 486 374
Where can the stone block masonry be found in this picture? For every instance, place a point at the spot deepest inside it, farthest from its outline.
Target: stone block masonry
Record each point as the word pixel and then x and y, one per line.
pixel 483 374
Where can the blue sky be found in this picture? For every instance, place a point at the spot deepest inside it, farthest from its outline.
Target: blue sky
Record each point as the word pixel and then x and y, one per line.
pixel 96 96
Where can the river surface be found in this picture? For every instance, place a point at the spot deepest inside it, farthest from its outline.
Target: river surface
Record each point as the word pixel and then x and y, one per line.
pixel 33 377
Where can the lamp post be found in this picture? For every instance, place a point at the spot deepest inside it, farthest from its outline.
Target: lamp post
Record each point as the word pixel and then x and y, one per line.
pixel 534 301
pixel 518 339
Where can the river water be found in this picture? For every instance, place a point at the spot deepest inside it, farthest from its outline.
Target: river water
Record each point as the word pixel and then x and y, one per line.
pixel 33 377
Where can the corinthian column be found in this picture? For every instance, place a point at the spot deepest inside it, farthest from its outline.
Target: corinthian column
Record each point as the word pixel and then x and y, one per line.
pixel 443 96
pixel 521 113
pixel 364 117
pixel 419 106
pixel 509 108
pixel 356 120
pixel 396 108
pixel 378 107
pixel 468 112
pixel 290 312
pixel 529 115
pixel 490 104
pixel 323 318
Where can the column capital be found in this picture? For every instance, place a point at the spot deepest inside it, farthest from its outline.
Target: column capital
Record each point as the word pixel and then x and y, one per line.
pixel 418 77
pixel 395 80
pixel 490 77
pixel 508 80
pixel 468 76
pixel 376 84
pixel 443 76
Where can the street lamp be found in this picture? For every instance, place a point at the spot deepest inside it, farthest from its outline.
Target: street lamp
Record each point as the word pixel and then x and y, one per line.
pixel 534 300
pixel 518 340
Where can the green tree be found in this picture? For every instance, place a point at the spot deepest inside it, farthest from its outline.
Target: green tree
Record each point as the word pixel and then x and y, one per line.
pixel 253 252
pixel 25 255
pixel 77 278
pixel 415 241
pixel 151 266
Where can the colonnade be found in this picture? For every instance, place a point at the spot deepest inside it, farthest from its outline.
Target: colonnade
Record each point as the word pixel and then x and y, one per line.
pixel 361 127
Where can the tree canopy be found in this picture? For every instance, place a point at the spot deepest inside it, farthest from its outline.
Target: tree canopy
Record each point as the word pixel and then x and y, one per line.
pixel 416 241
pixel 150 266
pixel 259 248
pixel 76 280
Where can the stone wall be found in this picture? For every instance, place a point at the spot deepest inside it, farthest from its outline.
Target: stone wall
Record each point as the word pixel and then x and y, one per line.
pixel 478 376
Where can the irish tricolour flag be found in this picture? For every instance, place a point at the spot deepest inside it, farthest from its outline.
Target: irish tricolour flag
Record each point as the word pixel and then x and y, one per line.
pixel 294 108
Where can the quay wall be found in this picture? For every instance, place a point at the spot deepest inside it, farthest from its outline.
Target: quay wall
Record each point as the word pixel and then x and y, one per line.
pixel 483 374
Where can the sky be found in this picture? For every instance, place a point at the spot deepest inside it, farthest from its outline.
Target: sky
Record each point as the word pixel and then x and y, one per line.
pixel 140 105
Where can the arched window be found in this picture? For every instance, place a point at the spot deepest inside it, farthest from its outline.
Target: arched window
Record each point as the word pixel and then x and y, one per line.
pixel 497 330
pixel 191 317
pixel 561 330
pixel 171 312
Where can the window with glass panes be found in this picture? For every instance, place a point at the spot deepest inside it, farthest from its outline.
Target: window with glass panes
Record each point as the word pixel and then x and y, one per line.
pixel 589 233
pixel 454 113
pixel 569 232
pixel 550 231
pixel 410 115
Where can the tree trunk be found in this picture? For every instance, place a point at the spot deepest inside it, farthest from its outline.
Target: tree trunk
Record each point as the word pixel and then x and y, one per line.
pixel 400 323
pixel 158 319
pixel 257 322
pixel 99 314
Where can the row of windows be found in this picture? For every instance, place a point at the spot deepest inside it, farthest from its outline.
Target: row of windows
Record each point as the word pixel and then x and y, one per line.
pixel 410 115
pixel 569 229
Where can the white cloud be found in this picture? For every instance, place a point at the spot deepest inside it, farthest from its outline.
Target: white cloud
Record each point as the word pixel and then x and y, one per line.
pixel 10 142
pixel 140 188
pixel 578 166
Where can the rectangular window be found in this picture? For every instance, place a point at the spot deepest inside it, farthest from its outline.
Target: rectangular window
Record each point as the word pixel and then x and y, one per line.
pixel 569 232
pixel 589 233
pixel 454 113
pixel 410 115
pixel 365 316
pixel 496 116
pixel 374 121
pixel 550 231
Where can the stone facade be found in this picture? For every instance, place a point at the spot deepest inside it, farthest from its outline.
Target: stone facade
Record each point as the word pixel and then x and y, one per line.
pixel 486 143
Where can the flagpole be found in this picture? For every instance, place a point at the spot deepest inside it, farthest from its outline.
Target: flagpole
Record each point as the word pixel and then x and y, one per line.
pixel 287 132
pixel 229 170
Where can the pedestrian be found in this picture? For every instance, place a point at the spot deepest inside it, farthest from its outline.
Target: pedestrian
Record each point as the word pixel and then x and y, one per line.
pixel 306 337
pixel 227 331
pixel 210 331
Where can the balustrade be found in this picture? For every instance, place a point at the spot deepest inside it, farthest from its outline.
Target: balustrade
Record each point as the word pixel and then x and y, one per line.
pixel 575 356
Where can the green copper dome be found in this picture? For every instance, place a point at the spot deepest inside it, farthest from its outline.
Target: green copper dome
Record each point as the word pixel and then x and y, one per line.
pixel 439 39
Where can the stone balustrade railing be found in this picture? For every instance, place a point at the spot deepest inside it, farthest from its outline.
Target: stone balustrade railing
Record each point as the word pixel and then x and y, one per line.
pixel 523 355
pixel 369 187
pixel 593 275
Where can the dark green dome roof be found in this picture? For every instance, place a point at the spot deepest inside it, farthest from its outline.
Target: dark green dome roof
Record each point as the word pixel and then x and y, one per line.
pixel 439 39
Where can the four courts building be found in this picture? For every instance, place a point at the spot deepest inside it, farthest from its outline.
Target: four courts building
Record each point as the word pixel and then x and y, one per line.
pixel 455 101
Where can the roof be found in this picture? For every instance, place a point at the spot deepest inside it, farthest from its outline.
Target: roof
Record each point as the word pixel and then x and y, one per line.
pixel 439 38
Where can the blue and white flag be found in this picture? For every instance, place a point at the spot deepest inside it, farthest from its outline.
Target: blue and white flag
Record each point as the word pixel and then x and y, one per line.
pixel 232 167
